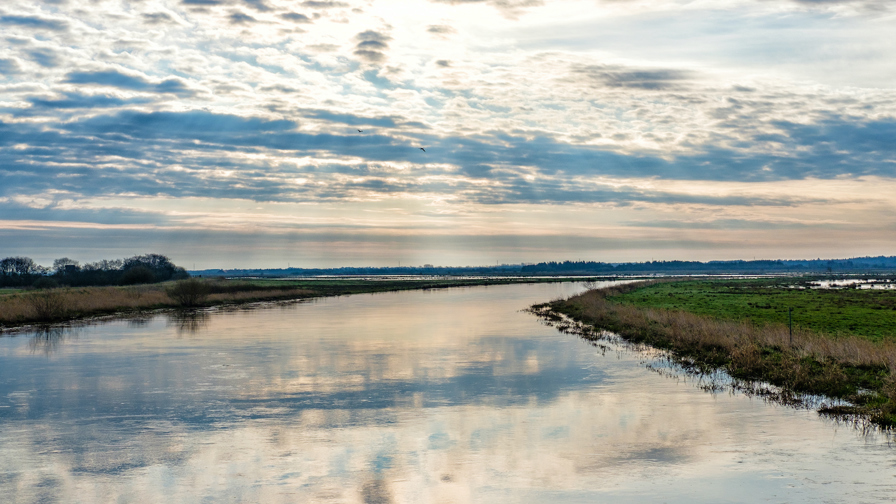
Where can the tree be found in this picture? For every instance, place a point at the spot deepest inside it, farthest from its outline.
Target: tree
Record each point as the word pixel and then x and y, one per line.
pixel 19 266
pixel 60 265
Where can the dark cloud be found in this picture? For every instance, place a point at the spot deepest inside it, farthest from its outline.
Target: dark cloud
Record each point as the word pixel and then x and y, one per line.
pixel 46 58
pixel 241 18
pixel 130 152
pixel 372 36
pixel 371 46
pixel 441 29
pixel 34 22
pixel 258 5
pixel 443 63
pixel 203 2
pixel 54 212
pixel 117 79
pixel 9 67
pixel 77 101
pixel 387 122
pixel 625 77
pixel 157 18
pixel 323 4
pixel 295 17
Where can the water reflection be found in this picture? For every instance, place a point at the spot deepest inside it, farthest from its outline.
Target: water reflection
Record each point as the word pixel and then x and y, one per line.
pixel 139 321
pixel 445 396
pixel 188 322
pixel 47 339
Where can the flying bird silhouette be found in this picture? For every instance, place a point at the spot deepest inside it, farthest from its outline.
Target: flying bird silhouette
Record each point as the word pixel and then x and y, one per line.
pixel 421 148
pixel 359 131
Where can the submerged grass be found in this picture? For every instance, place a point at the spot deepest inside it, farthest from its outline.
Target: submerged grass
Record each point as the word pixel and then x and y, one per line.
pixel 856 368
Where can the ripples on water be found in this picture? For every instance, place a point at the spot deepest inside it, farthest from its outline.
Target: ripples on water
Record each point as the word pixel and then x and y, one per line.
pixel 439 396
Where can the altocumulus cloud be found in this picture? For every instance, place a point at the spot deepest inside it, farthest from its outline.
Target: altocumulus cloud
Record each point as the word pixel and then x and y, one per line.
pixel 372 46
pixel 114 78
pixel 262 100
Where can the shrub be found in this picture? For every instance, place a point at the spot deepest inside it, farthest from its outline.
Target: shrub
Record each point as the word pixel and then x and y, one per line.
pixel 48 305
pixel 189 292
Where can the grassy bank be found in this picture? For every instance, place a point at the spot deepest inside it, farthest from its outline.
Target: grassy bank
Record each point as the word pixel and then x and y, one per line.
pixel 27 307
pixel 740 327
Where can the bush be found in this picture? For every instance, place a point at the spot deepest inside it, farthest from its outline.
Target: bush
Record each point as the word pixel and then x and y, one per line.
pixel 188 293
pixel 48 305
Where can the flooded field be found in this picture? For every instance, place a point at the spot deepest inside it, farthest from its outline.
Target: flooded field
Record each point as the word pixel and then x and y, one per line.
pixel 439 396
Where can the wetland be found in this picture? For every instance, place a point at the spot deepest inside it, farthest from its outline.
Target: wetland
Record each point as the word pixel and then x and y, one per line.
pixel 446 395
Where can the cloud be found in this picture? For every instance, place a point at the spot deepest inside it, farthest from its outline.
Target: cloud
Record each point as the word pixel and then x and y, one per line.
pixel 443 63
pixel 46 58
pixel 34 22
pixel 296 17
pixel 509 8
pixel 9 67
pixel 371 46
pixel 155 18
pixel 241 18
pixel 114 78
pixel 617 76
pixel 441 30
pixel 387 122
pixel 77 101
pixel 323 4
pixel 258 5
pixel 198 153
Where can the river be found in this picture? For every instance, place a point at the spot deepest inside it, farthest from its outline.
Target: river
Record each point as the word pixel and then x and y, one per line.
pixel 442 396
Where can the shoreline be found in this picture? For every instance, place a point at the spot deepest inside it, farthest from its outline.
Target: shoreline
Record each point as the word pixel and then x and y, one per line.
pixel 87 304
pixel 857 373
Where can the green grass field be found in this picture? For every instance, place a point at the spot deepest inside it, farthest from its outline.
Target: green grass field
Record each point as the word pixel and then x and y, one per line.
pixel 869 313
pixel 843 342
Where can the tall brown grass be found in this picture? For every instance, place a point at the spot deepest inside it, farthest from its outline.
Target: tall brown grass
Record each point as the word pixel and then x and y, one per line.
pixel 26 307
pixel 842 366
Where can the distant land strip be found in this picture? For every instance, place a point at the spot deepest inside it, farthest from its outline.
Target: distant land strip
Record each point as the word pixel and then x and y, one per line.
pixel 852 265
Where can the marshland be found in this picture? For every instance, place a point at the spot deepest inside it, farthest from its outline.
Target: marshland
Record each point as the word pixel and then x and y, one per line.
pixel 787 332
pixel 429 393
pixel 19 307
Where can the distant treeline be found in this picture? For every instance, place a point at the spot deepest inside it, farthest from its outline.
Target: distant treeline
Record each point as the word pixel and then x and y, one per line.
pixel 857 264
pixel 149 268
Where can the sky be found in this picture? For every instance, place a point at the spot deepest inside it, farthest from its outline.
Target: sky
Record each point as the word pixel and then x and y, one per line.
pixel 275 133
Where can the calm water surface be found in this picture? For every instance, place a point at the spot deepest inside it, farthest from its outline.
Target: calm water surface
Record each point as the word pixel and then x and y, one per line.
pixel 447 396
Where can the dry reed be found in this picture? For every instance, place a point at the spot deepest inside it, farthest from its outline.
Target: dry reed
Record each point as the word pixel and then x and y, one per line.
pixel 848 367
pixel 22 307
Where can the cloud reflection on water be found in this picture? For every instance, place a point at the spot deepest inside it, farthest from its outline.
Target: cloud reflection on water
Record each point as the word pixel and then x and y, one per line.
pixel 449 396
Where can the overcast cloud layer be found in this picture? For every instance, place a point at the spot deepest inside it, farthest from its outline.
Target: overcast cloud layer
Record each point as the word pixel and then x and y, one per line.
pixel 259 132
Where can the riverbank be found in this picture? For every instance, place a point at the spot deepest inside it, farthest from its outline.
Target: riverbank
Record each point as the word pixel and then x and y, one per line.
pixel 20 308
pixel 737 326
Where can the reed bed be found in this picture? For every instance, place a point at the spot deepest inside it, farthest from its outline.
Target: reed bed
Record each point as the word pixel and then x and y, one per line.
pixel 54 305
pixel 843 367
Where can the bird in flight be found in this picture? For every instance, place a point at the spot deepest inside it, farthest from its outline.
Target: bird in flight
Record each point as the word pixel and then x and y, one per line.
pixel 360 131
pixel 421 148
